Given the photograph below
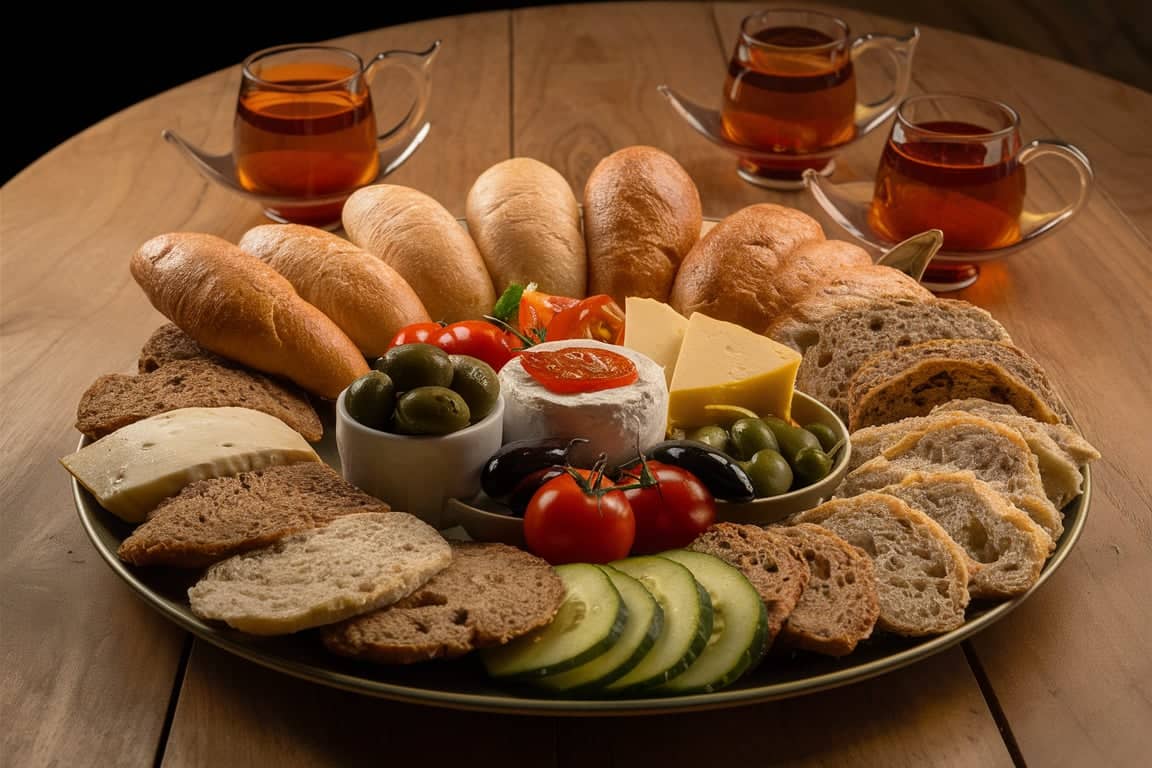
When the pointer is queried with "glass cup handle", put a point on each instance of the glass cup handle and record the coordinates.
(1033, 224)
(416, 64)
(900, 51)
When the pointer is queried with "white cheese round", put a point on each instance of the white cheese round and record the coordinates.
(619, 422)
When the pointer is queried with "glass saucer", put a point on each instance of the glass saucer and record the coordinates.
(847, 204)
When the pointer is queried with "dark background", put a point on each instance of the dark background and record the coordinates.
(90, 64)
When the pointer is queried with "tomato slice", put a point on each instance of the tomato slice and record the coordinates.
(597, 317)
(579, 369)
(537, 309)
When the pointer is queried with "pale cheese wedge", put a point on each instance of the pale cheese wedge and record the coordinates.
(139, 465)
(654, 329)
(725, 363)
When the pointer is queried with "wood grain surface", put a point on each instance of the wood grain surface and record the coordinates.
(93, 676)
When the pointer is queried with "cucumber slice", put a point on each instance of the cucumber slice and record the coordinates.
(588, 622)
(740, 621)
(645, 619)
(687, 622)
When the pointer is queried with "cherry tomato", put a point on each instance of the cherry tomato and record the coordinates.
(671, 513)
(566, 524)
(480, 339)
(596, 317)
(537, 309)
(416, 332)
(578, 369)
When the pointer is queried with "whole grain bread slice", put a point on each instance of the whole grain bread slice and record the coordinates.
(921, 573)
(839, 606)
(210, 520)
(115, 400)
(354, 564)
(834, 347)
(169, 343)
(490, 594)
(772, 562)
(912, 380)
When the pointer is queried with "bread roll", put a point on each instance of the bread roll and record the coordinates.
(526, 222)
(641, 217)
(368, 299)
(235, 305)
(755, 263)
(417, 236)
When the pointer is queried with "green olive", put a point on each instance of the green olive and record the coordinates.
(750, 436)
(769, 472)
(476, 382)
(713, 436)
(430, 411)
(371, 399)
(811, 465)
(416, 365)
(792, 439)
(824, 433)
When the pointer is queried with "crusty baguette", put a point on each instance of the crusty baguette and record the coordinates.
(417, 236)
(368, 299)
(642, 215)
(235, 305)
(354, 564)
(526, 223)
(490, 594)
(756, 262)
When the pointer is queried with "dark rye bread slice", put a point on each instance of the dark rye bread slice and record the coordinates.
(115, 400)
(167, 344)
(771, 561)
(912, 380)
(834, 348)
(489, 594)
(210, 520)
(840, 605)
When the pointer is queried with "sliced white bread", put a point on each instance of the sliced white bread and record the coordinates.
(1005, 548)
(912, 380)
(490, 594)
(921, 573)
(354, 564)
(839, 606)
(834, 348)
(995, 453)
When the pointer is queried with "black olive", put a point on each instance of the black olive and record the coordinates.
(722, 475)
(520, 458)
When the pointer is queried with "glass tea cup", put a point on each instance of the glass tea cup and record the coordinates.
(790, 95)
(956, 162)
(305, 130)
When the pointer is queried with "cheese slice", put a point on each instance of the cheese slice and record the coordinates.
(139, 465)
(725, 363)
(655, 330)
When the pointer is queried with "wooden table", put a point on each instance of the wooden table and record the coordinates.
(92, 676)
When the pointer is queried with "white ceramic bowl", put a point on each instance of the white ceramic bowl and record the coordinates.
(417, 474)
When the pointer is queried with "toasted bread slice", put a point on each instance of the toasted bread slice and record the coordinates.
(771, 561)
(490, 594)
(354, 564)
(840, 605)
(213, 519)
(921, 573)
(115, 400)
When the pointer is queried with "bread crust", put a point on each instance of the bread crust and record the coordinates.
(642, 215)
(235, 305)
(417, 236)
(526, 222)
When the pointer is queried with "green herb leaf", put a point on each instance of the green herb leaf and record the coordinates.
(508, 304)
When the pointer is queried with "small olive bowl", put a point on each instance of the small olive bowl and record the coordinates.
(485, 520)
(772, 509)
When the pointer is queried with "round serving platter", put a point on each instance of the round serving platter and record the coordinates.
(462, 683)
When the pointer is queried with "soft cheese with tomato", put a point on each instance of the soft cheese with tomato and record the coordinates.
(618, 420)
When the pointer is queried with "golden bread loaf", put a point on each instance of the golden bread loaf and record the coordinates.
(526, 223)
(417, 236)
(642, 216)
(368, 299)
(235, 305)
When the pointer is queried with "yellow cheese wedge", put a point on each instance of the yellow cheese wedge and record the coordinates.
(139, 465)
(725, 363)
(654, 329)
